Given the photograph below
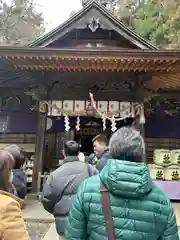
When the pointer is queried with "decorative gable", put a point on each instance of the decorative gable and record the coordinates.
(93, 27)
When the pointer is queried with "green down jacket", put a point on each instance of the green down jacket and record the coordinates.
(140, 209)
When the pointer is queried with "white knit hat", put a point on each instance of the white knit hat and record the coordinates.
(127, 141)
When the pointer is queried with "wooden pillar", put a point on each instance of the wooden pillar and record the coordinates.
(39, 151)
(139, 126)
(142, 130)
(137, 89)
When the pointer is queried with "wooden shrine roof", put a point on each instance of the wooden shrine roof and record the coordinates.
(92, 59)
(164, 66)
(80, 20)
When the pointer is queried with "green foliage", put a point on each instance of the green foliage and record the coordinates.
(159, 22)
(149, 20)
(155, 20)
(173, 25)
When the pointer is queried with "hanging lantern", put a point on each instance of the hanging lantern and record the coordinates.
(78, 124)
(104, 122)
(142, 117)
(113, 124)
(66, 123)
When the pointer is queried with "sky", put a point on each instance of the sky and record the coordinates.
(56, 12)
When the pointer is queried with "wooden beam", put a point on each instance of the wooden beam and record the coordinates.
(138, 84)
(29, 53)
(39, 152)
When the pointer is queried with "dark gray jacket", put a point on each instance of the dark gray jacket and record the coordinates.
(103, 160)
(20, 182)
(61, 187)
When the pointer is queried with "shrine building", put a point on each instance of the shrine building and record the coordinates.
(92, 74)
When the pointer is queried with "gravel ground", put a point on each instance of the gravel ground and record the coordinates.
(37, 230)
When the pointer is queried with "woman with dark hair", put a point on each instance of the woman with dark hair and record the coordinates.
(12, 226)
(19, 175)
(122, 202)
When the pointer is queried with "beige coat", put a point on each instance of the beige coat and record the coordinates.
(12, 226)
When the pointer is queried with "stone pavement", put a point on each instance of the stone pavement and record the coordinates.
(51, 234)
(33, 211)
(177, 210)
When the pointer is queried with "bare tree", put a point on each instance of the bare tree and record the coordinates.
(19, 22)
(72, 14)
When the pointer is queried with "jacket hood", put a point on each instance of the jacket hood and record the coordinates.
(71, 159)
(126, 179)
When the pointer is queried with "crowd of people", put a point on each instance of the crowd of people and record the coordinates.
(12, 192)
(109, 195)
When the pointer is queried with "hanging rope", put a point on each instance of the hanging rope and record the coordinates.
(112, 119)
(105, 115)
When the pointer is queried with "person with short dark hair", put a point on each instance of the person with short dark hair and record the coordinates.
(71, 148)
(19, 175)
(12, 226)
(101, 153)
(61, 186)
(18, 154)
(122, 202)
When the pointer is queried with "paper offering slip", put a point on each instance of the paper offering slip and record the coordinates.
(79, 106)
(125, 109)
(102, 106)
(114, 108)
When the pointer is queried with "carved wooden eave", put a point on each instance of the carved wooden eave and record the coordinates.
(93, 16)
(109, 60)
(163, 66)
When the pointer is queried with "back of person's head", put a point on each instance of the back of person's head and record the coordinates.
(18, 155)
(127, 144)
(6, 165)
(71, 148)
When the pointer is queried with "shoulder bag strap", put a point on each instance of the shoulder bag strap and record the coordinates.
(107, 213)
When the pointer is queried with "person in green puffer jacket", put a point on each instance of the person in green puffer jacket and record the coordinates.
(140, 210)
